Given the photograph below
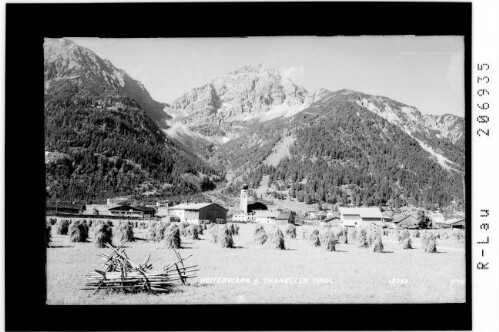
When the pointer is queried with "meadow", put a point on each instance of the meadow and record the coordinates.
(252, 273)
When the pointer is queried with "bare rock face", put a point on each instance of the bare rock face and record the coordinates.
(63, 59)
(244, 94)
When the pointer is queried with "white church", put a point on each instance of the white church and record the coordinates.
(251, 210)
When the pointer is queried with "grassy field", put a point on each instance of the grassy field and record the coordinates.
(299, 274)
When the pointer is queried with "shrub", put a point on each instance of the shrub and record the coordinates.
(103, 234)
(429, 243)
(172, 237)
(62, 227)
(407, 244)
(125, 231)
(276, 239)
(78, 232)
(225, 238)
(291, 231)
(261, 236)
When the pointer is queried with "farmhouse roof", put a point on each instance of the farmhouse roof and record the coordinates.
(366, 212)
(453, 222)
(284, 215)
(125, 208)
(66, 205)
(194, 206)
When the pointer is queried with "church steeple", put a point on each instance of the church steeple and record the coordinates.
(243, 202)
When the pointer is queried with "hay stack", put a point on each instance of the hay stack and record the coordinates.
(377, 244)
(445, 236)
(291, 231)
(403, 235)
(276, 239)
(125, 231)
(417, 234)
(258, 228)
(62, 227)
(184, 229)
(192, 230)
(429, 243)
(172, 237)
(214, 234)
(48, 235)
(225, 237)
(260, 237)
(330, 241)
(151, 231)
(362, 238)
(407, 244)
(53, 221)
(103, 234)
(200, 229)
(78, 232)
(352, 234)
(161, 228)
(314, 238)
(236, 229)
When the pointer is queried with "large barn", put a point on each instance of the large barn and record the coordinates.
(197, 212)
(356, 217)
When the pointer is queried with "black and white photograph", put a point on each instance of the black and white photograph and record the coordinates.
(289, 165)
(263, 170)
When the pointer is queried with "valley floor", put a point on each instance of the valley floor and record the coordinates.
(308, 274)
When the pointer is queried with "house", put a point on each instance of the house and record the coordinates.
(321, 215)
(406, 221)
(285, 217)
(266, 216)
(454, 223)
(133, 211)
(196, 212)
(65, 207)
(356, 217)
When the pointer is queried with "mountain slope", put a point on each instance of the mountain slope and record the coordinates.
(65, 59)
(342, 152)
(109, 143)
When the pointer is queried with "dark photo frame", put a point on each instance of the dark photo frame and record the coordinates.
(25, 257)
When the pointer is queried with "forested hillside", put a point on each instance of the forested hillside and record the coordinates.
(107, 145)
(345, 153)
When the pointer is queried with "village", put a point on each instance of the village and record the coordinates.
(251, 210)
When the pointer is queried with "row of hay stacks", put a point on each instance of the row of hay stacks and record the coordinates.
(275, 238)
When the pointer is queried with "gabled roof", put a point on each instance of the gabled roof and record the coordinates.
(284, 215)
(194, 206)
(365, 212)
(406, 218)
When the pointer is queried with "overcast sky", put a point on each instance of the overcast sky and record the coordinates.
(426, 72)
